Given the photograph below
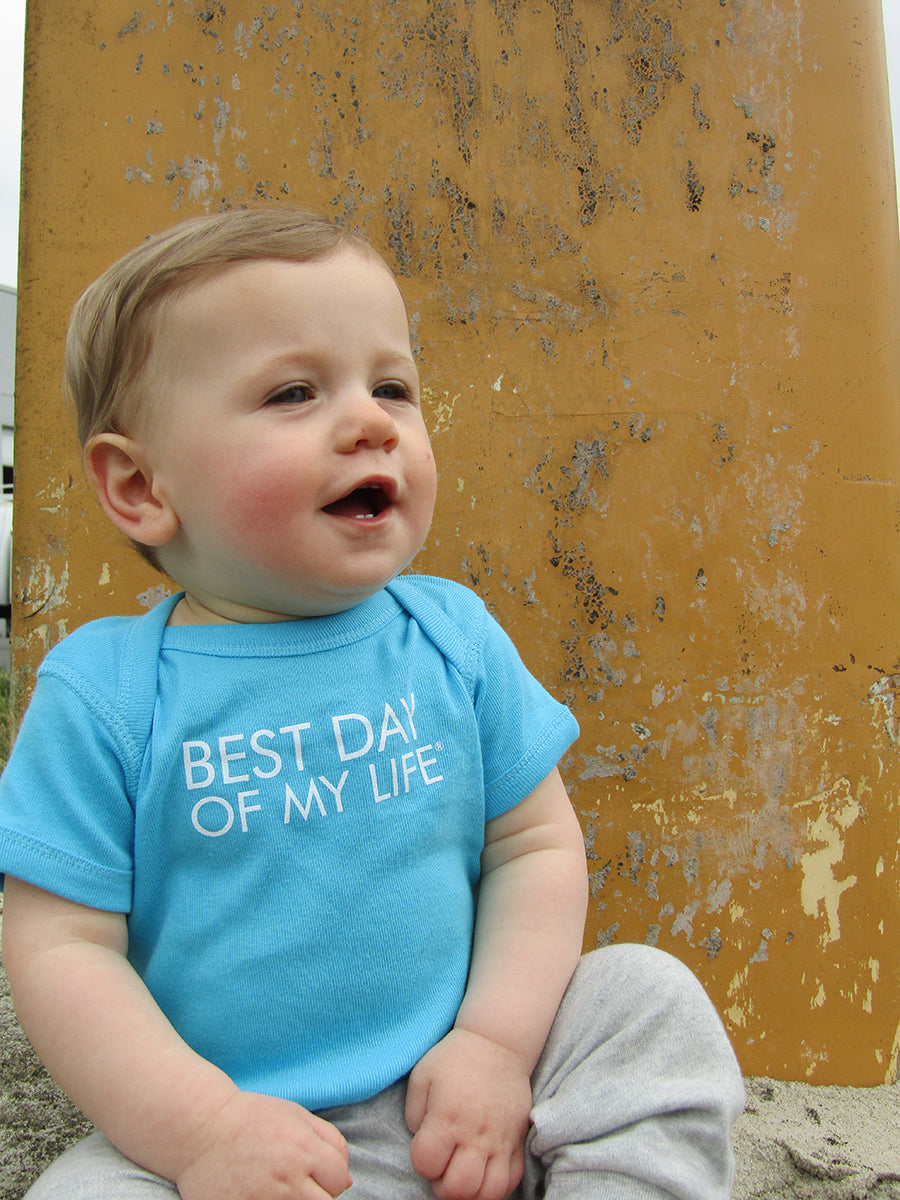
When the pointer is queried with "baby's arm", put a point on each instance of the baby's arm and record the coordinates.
(108, 1045)
(469, 1098)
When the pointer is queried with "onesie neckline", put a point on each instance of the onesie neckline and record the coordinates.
(300, 636)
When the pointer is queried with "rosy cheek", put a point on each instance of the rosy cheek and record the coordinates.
(257, 508)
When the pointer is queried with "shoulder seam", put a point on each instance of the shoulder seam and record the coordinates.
(104, 711)
(469, 637)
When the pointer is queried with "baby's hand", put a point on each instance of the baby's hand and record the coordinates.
(262, 1148)
(467, 1105)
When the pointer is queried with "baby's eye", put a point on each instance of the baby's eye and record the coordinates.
(392, 390)
(293, 393)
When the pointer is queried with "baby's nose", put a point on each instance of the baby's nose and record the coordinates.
(368, 424)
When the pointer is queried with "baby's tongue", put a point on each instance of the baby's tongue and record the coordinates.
(360, 503)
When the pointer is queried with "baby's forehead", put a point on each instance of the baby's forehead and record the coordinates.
(231, 295)
(363, 259)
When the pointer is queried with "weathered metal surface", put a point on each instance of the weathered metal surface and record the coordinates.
(650, 255)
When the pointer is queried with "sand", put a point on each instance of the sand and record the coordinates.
(799, 1141)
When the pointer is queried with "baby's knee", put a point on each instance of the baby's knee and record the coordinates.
(638, 969)
(655, 992)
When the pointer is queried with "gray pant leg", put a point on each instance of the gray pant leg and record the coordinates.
(94, 1170)
(638, 1087)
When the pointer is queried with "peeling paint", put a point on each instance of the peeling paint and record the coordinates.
(154, 595)
(718, 896)
(884, 693)
(894, 1065)
(440, 408)
(43, 588)
(821, 890)
(762, 952)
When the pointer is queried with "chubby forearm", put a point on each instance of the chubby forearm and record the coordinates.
(529, 924)
(100, 1033)
(119, 1062)
(469, 1098)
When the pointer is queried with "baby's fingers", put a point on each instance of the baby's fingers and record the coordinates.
(431, 1149)
(463, 1176)
(331, 1134)
(469, 1176)
(331, 1171)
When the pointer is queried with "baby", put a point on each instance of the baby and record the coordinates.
(294, 894)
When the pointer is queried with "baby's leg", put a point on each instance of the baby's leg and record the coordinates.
(638, 1087)
(94, 1170)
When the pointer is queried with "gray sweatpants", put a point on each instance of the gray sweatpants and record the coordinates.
(634, 1098)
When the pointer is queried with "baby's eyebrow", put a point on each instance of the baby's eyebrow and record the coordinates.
(398, 362)
(292, 360)
(312, 359)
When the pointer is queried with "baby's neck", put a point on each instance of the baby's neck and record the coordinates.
(192, 610)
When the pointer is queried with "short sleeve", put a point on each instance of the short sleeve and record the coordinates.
(524, 730)
(66, 822)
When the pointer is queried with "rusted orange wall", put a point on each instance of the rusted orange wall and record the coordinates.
(650, 253)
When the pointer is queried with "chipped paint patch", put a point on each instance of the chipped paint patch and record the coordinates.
(440, 406)
(738, 1012)
(762, 951)
(736, 1016)
(884, 693)
(154, 595)
(821, 889)
(718, 896)
(42, 589)
(893, 1073)
(814, 1060)
(684, 921)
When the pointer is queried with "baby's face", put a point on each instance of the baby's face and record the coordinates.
(286, 432)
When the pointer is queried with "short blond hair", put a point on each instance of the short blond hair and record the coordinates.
(113, 324)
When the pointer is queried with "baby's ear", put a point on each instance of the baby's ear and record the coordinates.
(119, 473)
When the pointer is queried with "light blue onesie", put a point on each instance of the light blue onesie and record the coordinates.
(292, 817)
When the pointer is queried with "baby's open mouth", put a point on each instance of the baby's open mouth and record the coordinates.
(362, 504)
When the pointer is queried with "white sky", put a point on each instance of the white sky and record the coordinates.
(12, 36)
(12, 41)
